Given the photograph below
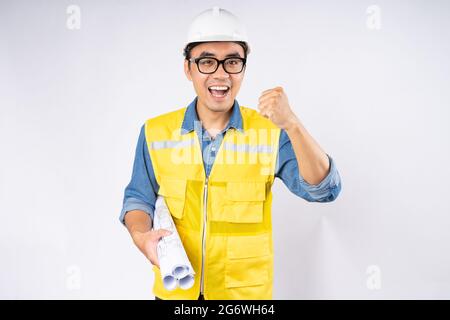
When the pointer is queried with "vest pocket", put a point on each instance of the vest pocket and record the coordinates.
(248, 261)
(174, 192)
(240, 202)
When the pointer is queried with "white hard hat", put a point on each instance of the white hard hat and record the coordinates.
(217, 24)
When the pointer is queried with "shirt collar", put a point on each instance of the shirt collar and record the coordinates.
(190, 116)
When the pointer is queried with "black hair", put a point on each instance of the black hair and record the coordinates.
(187, 50)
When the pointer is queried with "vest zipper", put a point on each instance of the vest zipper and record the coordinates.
(205, 205)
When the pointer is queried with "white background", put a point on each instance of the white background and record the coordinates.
(72, 103)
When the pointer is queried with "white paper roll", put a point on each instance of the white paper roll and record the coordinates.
(176, 269)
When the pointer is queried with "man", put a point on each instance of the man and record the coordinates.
(215, 163)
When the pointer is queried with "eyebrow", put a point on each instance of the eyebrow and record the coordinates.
(210, 54)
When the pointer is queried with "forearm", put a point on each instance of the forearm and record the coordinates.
(312, 161)
(138, 222)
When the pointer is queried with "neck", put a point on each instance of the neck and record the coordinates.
(213, 121)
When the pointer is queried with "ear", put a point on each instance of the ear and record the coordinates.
(187, 72)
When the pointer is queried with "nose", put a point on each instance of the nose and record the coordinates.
(220, 72)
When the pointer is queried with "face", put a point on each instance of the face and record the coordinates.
(207, 97)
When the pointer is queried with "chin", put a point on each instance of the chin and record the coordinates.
(221, 106)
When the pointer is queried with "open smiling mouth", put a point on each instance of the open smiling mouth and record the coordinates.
(219, 91)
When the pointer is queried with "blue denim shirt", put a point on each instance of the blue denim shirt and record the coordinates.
(141, 192)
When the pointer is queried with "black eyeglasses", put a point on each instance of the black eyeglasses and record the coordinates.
(210, 65)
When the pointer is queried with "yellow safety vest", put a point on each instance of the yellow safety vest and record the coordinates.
(224, 221)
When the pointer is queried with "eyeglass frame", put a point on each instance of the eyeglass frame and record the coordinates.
(219, 62)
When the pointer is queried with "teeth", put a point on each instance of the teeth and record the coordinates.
(218, 88)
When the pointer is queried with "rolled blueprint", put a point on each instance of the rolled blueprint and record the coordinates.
(176, 269)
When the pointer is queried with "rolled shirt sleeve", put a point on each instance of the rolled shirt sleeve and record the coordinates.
(287, 170)
(140, 193)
